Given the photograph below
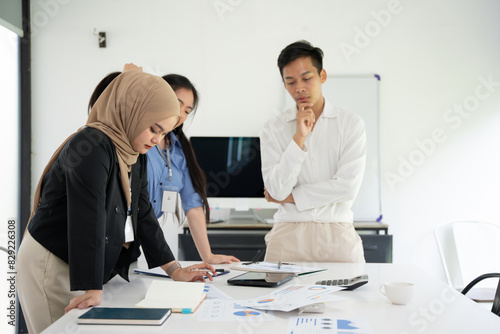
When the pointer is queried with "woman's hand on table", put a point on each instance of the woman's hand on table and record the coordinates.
(88, 299)
(220, 258)
(191, 274)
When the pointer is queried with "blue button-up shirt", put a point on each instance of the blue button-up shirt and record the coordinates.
(181, 181)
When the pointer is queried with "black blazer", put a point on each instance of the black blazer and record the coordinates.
(82, 213)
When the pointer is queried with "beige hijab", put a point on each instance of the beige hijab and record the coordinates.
(130, 104)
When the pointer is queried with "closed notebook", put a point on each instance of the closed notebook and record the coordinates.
(124, 316)
(181, 297)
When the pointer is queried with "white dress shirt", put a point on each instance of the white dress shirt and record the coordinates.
(325, 176)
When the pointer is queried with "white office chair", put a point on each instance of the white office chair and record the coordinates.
(469, 249)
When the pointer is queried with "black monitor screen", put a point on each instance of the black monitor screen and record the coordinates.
(231, 164)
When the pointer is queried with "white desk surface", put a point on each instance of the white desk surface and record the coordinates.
(436, 308)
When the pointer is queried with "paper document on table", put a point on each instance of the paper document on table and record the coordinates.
(323, 324)
(231, 310)
(293, 297)
(214, 293)
(272, 267)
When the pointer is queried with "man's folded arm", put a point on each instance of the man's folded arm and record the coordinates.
(344, 185)
(280, 167)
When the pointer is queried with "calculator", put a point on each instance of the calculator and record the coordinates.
(347, 283)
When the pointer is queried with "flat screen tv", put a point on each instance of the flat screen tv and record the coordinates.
(232, 165)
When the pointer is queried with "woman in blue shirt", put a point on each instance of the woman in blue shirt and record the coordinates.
(184, 177)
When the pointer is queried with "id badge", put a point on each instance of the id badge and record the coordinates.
(169, 199)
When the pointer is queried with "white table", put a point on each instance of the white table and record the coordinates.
(436, 308)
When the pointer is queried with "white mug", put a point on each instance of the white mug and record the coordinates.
(399, 293)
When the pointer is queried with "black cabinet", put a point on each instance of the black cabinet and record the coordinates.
(246, 246)
(377, 247)
(249, 245)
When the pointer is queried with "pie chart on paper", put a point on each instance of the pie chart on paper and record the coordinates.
(246, 313)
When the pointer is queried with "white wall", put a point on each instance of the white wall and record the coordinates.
(431, 55)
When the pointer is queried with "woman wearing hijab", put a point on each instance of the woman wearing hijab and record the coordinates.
(91, 208)
(177, 170)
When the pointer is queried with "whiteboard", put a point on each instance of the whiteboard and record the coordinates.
(360, 94)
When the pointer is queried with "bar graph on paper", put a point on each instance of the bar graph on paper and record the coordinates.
(230, 310)
(320, 325)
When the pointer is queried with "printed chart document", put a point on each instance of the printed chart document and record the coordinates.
(219, 306)
(293, 297)
(181, 297)
(231, 310)
(124, 316)
(272, 267)
(327, 325)
(214, 293)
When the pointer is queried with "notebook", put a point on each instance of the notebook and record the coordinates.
(124, 316)
(181, 297)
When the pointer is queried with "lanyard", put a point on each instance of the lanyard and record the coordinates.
(167, 160)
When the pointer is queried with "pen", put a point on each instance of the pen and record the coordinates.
(205, 269)
(201, 269)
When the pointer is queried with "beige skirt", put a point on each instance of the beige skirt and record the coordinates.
(314, 242)
(43, 285)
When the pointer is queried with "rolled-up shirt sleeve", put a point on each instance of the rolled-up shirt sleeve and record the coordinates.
(190, 198)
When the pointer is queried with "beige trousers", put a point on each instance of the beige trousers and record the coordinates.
(43, 285)
(314, 242)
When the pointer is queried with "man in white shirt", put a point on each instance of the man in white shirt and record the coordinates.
(313, 161)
